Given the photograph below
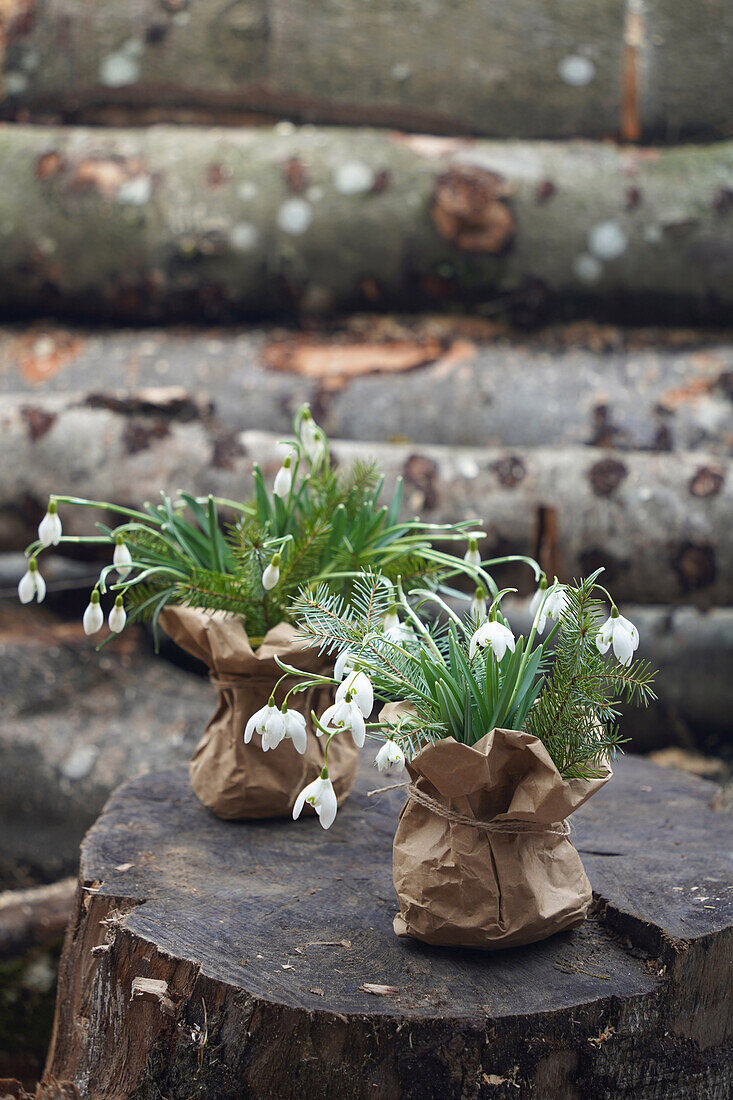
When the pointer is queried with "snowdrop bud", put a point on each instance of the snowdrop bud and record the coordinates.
(390, 759)
(472, 555)
(93, 619)
(391, 621)
(117, 616)
(271, 575)
(478, 605)
(621, 633)
(494, 636)
(32, 584)
(553, 606)
(321, 796)
(312, 438)
(122, 557)
(283, 479)
(49, 529)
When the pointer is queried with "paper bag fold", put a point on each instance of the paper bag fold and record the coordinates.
(462, 885)
(241, 781)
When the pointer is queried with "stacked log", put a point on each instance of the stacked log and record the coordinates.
(213, 225)
(660, 71)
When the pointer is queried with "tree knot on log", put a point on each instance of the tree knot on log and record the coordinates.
(470, 209)
(606, 475)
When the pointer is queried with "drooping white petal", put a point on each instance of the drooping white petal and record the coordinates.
(327, 804)
(536, 601)
(26, 587)
(390, 759)
(40, 587)
(497, 637)
(472, 557)
(390, 622)
(605, 636)
(327, 719)
(283, 481)
(295, 730)
(300, 800)
(344, 665)
(255, 723)
(93, 619)
(49, 529)
(122, 558)
(477, 610)
(117, 618)
(357, 725)
(359, 685)
(625, 640)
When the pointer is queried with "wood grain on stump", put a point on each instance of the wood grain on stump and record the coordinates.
(228, 959)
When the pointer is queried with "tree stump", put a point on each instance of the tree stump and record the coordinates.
(230, 960)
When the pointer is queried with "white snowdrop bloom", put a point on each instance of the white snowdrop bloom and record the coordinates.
(396, 630)
(607, 241)
(122, 558)
(117, 616)
(553, 607)
(496, 636)
(321, 796)
(622, 634)
(391, 620)
(93, 618)
(295, 730)
(344, 665)
(271, 575)
(49, 529)
(536, 602)
(32, 584)
(390, 759)
(472, 555)
(345, 714)
(477, 609)
(359, 685)
(283, 479)
(256, 723)
(353, 178)
(274, 730)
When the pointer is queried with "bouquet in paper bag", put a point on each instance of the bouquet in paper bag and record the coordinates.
(502, 738)
(220, 577)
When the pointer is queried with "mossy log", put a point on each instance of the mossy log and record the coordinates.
(229, 960)
(659, 523)
(212, 225)
(658, 70)
(436, 379)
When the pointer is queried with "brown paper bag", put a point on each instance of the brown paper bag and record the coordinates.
(516, 881)
(241, 781)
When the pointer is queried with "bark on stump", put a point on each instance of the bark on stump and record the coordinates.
(211, 225)
(532, 68)
(211, 958)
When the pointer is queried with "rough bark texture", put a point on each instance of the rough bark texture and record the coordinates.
(452, 380)
(234, 961)
(659, 69)
(657, 522)
(210, 225)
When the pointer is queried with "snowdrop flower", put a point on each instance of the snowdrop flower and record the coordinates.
(271, 575)
(295, 730)
(122, 558)
(536, 602)
(117, 616)
(496, 636)
(472, 555)
(345, 714)
(283, 479)
(49, 529)
(390, 759)
(257, 723)
(396, 630)
(93, 619)
(274, 730)
(312, 438)
(32, 584)
(359, 685)
(620, 632)
(477, 609)
(344, 665)
(321, 796)
(553, 606)
(391, 620)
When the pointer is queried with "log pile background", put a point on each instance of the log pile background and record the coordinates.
(490, 244)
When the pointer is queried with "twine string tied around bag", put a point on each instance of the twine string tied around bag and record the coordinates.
(557, 828)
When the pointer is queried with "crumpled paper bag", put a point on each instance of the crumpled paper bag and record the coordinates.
(241, 781)
(464, 886)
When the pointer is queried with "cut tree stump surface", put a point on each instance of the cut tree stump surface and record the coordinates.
(278, 973)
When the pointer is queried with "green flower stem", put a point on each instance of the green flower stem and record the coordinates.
(422, 629)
